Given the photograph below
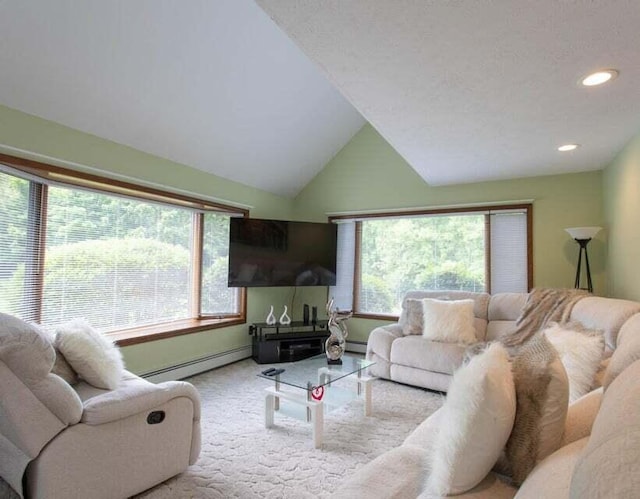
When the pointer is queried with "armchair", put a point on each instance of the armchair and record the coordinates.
(64, 441)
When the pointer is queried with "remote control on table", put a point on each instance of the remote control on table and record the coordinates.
(267, 372)
(275, 372)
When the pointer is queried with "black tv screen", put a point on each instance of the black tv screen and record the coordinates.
(281, 253)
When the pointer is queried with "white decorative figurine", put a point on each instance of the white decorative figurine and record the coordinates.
(284, 318)
(271, 319)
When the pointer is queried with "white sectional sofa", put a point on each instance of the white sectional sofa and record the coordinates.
(598, 457)
(598, 454)
(414, 360)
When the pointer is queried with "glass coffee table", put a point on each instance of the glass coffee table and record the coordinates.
(316, 388)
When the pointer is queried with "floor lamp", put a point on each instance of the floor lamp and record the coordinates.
(582, 236)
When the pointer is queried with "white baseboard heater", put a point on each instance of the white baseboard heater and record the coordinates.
(197, 366)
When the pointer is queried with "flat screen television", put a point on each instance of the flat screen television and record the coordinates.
(281, 253)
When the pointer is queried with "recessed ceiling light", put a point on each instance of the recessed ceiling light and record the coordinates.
(599, 77)
(568, 147)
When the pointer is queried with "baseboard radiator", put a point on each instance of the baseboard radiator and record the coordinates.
(356, 346)
(197, 366)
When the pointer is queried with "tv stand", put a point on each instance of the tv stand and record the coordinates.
(274, 343)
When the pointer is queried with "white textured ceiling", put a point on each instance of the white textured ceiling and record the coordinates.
(465, 91)
(211, 84)
(475, 90)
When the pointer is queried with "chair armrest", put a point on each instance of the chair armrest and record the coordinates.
(136, 397)
(381, 338)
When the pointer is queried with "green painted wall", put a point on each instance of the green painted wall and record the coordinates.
(621, 188)
(367, 174)
(34, 137)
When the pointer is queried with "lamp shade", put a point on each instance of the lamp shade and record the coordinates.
(583, 232)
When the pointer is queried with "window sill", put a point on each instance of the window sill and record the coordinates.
(155, 332)
(379, 317)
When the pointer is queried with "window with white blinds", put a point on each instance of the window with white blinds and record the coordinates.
(118, 261)
(380, 258)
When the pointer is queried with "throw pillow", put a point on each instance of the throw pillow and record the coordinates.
(413, 323)
(580, 351)
(542, 394)
(448, 321)
(93, 356)
(478, 415)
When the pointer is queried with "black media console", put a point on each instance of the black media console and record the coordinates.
(296, 341)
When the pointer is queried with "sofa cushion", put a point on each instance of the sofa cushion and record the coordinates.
(425, 434)
(552, 477)
(499, 329)
(94, 357)
(506, 306)
(448, 321)
(580, 417)
(25, 349)
(418, 352)
(609, 465)
(581, 351)
(478, 415)
(542, 392)
(608, 314)
(396, 473)
(627, 351)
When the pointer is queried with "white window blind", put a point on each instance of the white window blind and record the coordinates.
(117, 262)
(509, 252)
(342, 292)
(19, 240)
(217, 298)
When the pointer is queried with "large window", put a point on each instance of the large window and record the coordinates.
(382, 257)
(124, 260)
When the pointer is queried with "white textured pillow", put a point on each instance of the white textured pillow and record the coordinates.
(94, 357)
(448, 321)
(580, 352)
(477, 419)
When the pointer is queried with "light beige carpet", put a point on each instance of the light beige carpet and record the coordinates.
(242, 459)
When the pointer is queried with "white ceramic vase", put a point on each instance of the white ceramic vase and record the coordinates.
(284, 318)
(271, 319)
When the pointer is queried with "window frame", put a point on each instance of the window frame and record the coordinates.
(527, 207)
(72, 178)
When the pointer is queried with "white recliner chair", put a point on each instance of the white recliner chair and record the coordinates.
(64, 441)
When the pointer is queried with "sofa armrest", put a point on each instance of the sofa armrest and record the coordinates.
(136, 397)
(580, 416)
(381, 338)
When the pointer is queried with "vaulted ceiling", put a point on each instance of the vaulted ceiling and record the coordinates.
(465, 91)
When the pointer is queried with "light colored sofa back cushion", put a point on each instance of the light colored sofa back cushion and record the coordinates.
(627, 351)
(480, 306)
(607, 314)
(503, 310)
(27, 351)
(609, 465)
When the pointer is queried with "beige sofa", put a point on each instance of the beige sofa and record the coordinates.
(598, 456)
(64, 441)
(413, 360)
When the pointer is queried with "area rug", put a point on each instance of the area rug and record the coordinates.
(240, 458)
